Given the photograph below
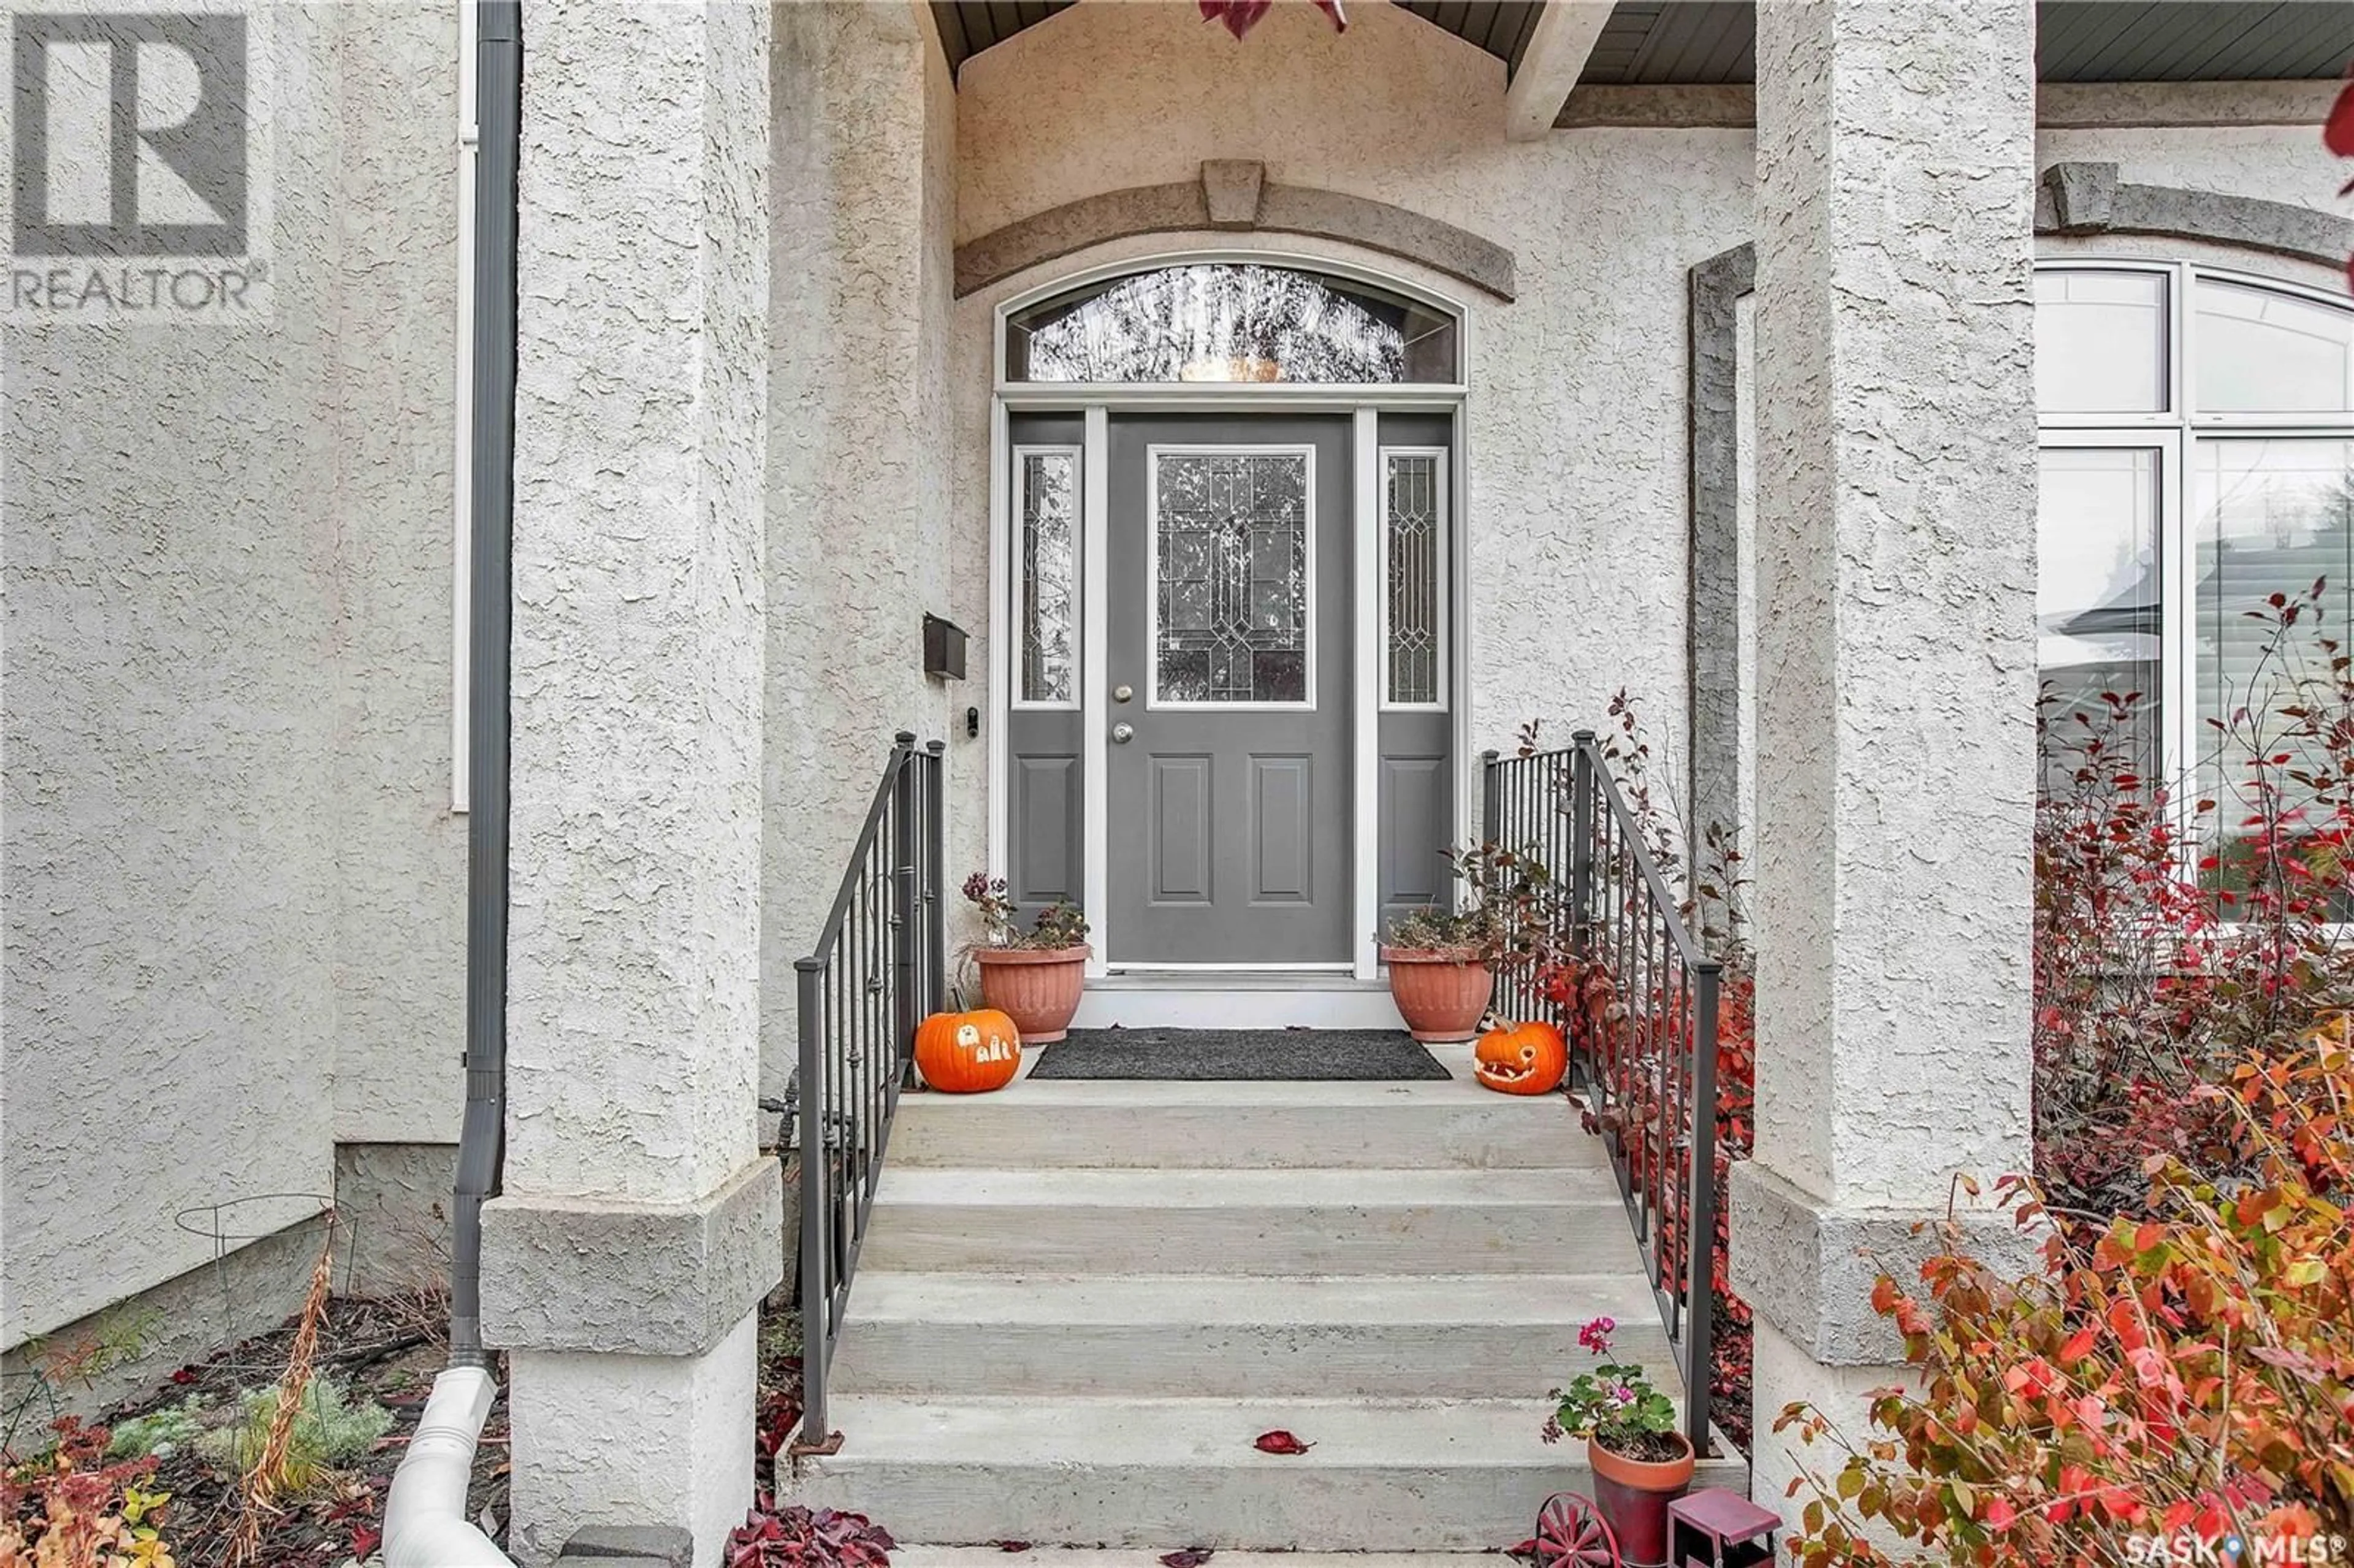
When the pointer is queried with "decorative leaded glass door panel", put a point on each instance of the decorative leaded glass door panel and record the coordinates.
(1232, 560)
(1230, 625)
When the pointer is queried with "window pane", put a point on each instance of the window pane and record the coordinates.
(1231, 322)
(2097, 615)
(2100, 342)
(2261, 352)
(1231, 607)
(2271, 516)
(1048, 524)
(1411, 513)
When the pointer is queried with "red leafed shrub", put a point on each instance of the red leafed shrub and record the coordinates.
(2155, 972)
(2337, 135)
(2184, 1380)
(1239, 16)
(797, 1537)
(2181, 1370)
(67, 1507)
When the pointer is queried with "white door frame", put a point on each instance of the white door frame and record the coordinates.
(1095, 404)
(1095, 702)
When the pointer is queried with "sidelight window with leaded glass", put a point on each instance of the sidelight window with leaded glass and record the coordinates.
(1046, 538)
(1414, 564)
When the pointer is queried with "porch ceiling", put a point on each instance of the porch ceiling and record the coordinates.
(1700, 42)
(1499, 26)
(1697, 42)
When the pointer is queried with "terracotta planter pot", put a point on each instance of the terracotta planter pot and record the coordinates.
(1634, 1495)
(1441, 995)
(1038, 987)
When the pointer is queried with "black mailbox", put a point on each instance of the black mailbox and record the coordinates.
(943, 649)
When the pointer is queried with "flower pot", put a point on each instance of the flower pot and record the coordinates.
(1038, 987)
(1634, 1495)
(1441, 995)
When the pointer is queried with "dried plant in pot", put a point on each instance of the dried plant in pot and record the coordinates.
(1034, 977)
(1641, 1461)
(1443, 962)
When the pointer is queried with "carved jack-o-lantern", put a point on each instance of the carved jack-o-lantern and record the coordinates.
(968, 1052)
(1520, 1058)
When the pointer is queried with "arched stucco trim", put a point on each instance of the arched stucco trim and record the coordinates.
(1233, 196)
(2073, 199)
(2088, 198)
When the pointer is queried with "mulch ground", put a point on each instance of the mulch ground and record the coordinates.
(387, 1351)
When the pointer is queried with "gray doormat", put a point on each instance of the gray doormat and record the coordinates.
(1295, 1055)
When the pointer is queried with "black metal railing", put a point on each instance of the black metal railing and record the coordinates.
(1635, 994)
(879, 966)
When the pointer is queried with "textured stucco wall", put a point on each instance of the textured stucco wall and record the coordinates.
(859, 496)
(233, 885)
(637, 686)
(1896, 533)
(616, 1448)
(1575, 421)
(401, 853)
(393, 1202)
(639, 690)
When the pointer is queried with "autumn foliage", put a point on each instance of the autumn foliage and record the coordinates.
(67, 1507)
(2181, 1372)
(2188, 1376)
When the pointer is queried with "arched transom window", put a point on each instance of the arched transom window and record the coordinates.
(2198, 457)
(1231, 322)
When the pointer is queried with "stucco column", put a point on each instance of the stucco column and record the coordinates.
(638, 1227)
(860, 495)
(1896, 660)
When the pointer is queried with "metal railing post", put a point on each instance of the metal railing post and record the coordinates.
(1581, 833)
(906, 915)
(816, 1292)
(1492, 799)
(936, 881)
(1699, 1238)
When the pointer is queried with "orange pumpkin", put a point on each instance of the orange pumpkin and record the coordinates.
(968, 1052)
(1520, 1058)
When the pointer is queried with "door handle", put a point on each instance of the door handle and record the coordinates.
(1123, 732)
(1122, 694)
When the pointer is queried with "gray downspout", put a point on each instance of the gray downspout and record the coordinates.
(499, 116)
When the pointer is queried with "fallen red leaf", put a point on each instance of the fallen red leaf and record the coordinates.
(1280, 1442)
(1014, 1546)
(1191, 1557)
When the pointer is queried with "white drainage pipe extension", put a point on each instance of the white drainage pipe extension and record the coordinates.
(425, 1523)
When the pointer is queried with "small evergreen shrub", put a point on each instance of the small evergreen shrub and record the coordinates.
(329, 1429)
(160, 1432)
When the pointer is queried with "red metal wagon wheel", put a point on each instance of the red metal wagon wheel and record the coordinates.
(1571, 1534)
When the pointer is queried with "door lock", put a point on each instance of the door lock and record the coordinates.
(1122, 694)
(1123, 732)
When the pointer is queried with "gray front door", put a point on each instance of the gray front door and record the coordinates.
(1230, 628)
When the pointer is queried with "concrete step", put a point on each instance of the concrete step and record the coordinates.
(1244, 1125)
(1464, 1336)
(1383, 1476)
(1283, 1222)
